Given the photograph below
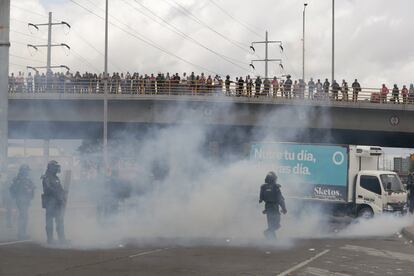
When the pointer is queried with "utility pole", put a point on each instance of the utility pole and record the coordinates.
(48, 66)
(303, 42)
(49, 46)
(4, 77)
(266, 60)
(333, 41)
(106, 76)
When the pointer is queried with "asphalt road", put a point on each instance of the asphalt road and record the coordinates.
(369, 256)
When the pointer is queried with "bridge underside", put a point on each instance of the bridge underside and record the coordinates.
(222, 134)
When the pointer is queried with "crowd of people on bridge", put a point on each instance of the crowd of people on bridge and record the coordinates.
(201, 84)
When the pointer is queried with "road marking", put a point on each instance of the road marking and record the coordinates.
(115, 259)
(148, 252)
(14, 242)
(302, 264)
(322, 272)
(380, 253)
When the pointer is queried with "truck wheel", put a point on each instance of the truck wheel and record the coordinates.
(365, 212)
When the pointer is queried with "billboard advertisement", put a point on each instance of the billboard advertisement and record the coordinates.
(316, 171)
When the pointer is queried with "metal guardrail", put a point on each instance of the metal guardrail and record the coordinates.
(366, 95)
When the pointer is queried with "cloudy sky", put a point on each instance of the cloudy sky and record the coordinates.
(373, 37)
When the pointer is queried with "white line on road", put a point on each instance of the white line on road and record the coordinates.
(148, 252)
(322, 272)
(14, 242)
(380, 253)
(302, 264)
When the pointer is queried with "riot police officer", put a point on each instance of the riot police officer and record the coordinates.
(272, 196)
(54, 201)
(22, 191)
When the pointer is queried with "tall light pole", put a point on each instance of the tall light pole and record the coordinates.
(303, 42)
(333, 41)
(105, 119)
(4, 75)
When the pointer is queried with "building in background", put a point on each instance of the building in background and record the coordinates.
(402, 165)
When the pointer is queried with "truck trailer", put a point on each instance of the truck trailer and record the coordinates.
(344, 178)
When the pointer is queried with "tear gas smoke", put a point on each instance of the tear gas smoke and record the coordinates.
(181, 195)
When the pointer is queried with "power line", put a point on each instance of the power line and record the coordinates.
(29, 11)
(50, 24)
(97, 50)
(82, 38)
(21, 57)
(85, 61)
(28, 35)
(76, 55)
(18, 20)
(140, 37)
(235, 19)
(17, 42)
(184, 35)
(18, 65)
(187, 12)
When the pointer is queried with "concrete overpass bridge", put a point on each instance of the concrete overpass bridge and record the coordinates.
(234, 119)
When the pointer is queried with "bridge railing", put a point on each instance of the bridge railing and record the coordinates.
(95, 87)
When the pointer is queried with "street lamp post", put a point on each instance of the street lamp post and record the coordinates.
(303, 42)
(4, 74)
(333, 40)
(105, 119)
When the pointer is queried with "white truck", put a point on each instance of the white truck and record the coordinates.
(344, 178)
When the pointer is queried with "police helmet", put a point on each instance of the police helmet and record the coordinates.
(53, 167)
(24, 169)
(271, 178)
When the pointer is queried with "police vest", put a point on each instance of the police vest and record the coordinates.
(270, 193)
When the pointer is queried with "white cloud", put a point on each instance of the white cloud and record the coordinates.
(373, 40)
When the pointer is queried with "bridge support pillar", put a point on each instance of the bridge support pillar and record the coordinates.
(4, 78)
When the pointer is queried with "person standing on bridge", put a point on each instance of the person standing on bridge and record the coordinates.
(302, 88)
(275, 85)
(54, 201)
(36, 80)
(12, 83)
(326, 86)
(319, 90)
(29, 82)
(272, 196)
(335, 90)
(266, 87)
(356, 88)
(258, 85)
(383, 93)
(311, 89)
(344, 90)
(22, 191)
(249, 86)
(404, 94)
(411, 94)
(395, 94)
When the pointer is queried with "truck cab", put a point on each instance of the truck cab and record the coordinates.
(378, 192)
(375, 191)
